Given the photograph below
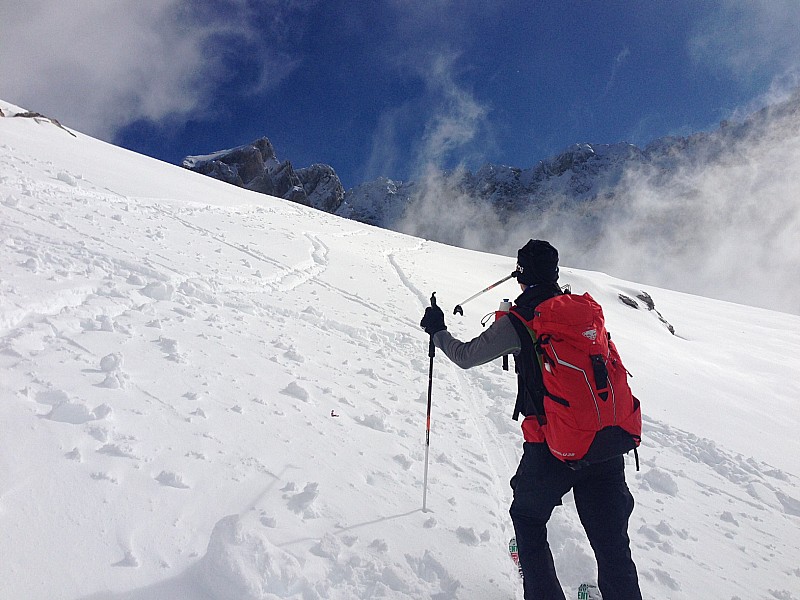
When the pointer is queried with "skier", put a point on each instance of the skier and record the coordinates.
(602, 497)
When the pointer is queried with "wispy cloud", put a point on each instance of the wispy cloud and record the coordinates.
(456, 117)
(743, 39)
(99, 66)
(441, 122)
(455, 125)
(616, 65)
(442, 127)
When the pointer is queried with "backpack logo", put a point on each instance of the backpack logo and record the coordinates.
(590, 334)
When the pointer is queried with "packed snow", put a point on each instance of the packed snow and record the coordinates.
(207, 393)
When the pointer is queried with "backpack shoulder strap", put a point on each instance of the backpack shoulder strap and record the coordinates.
(530, 388)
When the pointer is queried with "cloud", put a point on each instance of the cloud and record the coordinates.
(440, 121)
(744, 40)
(98, 66)
(721, 219)
(444, 212)
(444, 126)
(455, 127)
(724, 225)
(456, 118)
(619, 60)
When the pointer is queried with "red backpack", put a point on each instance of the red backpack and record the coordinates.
(573, 380)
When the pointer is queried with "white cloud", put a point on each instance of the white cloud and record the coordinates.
(456, 117)
(98, 66)
(619, 60)
(745, 39)
(443, 127)
(723, 221)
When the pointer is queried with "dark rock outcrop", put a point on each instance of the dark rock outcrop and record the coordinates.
(256, 167)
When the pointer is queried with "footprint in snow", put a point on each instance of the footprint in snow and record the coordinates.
(403, 461)
(65, 410)
(118, 450)
(111, 362)
(379, 545)
(302, 501)
(170, 479)
(158, 290)
(129, 561)
(661, 481)
(268, 521)
(295, 391)
(467, 535)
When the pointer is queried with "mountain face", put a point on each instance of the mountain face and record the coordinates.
(577, 173)
(256, 167)
(582, 174)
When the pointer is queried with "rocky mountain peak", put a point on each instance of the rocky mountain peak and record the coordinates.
(256, 167)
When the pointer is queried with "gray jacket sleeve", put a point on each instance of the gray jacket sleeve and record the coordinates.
(499, 339)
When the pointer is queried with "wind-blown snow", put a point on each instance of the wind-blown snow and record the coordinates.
(206, 393)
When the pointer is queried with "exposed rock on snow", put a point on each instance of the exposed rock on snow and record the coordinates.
(256, 167)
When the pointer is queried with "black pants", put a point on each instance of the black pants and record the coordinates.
(604, 506)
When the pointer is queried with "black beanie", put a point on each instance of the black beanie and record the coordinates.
(537, 262)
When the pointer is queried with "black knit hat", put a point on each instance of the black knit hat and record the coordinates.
(537, 262)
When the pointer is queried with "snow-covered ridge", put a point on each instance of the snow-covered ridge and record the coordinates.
(208, 393)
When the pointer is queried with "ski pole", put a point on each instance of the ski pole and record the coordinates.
(460, 311)
(431, 353)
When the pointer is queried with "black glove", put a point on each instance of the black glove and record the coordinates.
(433, 320)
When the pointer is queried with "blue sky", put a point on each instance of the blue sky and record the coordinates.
(388, 87)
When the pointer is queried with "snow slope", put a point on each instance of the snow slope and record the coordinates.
(206, 393)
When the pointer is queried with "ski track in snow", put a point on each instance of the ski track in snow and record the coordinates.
(165, 356)
(423, 300)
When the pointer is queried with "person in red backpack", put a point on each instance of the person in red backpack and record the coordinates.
(602, 498)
